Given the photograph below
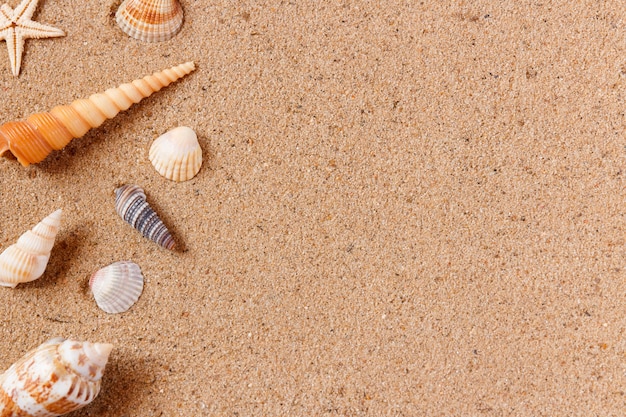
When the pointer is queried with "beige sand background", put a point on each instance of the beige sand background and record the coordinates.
(406, 208)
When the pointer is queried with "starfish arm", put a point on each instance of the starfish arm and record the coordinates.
(36, 30)
(5, 21)
(5, 33)
(6, 13)
(5, 27)
(24, 11)
(15, 45)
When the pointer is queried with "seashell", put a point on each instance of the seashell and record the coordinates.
(31, 140)
(27, 259)
(150, 20)
(131, 205)
(177, 154)
(117, 287)
(55, 378)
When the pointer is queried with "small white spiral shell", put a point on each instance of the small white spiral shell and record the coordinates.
(27, 259)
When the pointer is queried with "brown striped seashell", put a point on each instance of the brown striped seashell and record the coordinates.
(150, 20)
(58, 377)
(131, 205)
(176, 154)
(31, 140)
(117, 287)
(27, 259)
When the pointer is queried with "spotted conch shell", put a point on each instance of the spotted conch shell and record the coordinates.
(55, 378)
(27, 259)
(31, 140)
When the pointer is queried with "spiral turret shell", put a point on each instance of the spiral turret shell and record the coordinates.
(31, 140)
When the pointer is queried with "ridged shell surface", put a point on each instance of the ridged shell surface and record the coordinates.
(176, 154)
(27, 259)
(131, 205)
(117, 287)
(56, 378)
(31, 140)
(150, 20)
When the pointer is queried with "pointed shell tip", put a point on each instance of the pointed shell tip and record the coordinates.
(103, 349)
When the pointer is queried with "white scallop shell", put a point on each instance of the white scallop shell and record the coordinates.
(150, 20)
(27, 259)
(117, 287)
(176, 154)
(55, 378)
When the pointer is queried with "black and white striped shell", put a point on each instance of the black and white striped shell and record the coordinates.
(53, 379)
(131, 205)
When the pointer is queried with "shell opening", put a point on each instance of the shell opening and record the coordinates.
(3, 148)
(4, 145)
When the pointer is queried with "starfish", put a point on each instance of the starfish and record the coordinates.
(16, 26)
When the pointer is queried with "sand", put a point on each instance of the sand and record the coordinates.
(405, 208)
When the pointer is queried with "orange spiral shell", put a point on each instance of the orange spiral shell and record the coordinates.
(31, 140)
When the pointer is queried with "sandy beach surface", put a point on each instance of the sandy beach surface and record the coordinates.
(405, 208)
